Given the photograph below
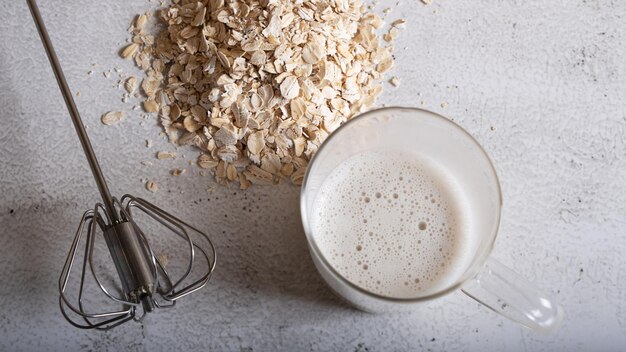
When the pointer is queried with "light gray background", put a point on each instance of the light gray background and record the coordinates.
(541, 84)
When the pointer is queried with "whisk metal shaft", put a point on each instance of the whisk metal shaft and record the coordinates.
(71, 107)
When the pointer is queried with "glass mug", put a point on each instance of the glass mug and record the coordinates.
(484, 279)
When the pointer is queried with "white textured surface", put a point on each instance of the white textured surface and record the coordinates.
(548, 76)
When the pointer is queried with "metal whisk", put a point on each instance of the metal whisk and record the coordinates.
(145, 282)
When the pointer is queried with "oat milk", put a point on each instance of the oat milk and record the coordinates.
(394, 224)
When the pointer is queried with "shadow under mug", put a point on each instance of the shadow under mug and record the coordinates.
(415, 130)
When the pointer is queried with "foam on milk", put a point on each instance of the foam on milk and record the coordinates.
(393, 224)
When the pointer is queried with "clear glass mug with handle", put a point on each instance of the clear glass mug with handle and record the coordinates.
(483, 278)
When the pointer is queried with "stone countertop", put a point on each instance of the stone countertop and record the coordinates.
(542, 85)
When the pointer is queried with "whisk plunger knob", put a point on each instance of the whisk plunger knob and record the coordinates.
(132, 261)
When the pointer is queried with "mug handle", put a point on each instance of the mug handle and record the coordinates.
(505, 292)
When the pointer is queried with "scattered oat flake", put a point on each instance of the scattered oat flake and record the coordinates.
(385, 65)
(178, 172)
(150, 106)
(166, 155)
(148, 143)
(141, 20)
(130, 84)
(398, 23)
(205, 161)
(391, 35)
(130, 50)
(243, 182)
(395, 81)
(152, 186)
(427, 2)
(112, 117)
(231, 172)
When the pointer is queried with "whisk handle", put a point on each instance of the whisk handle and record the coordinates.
(71, 107)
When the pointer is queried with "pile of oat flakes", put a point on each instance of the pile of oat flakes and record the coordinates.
(258, 85)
